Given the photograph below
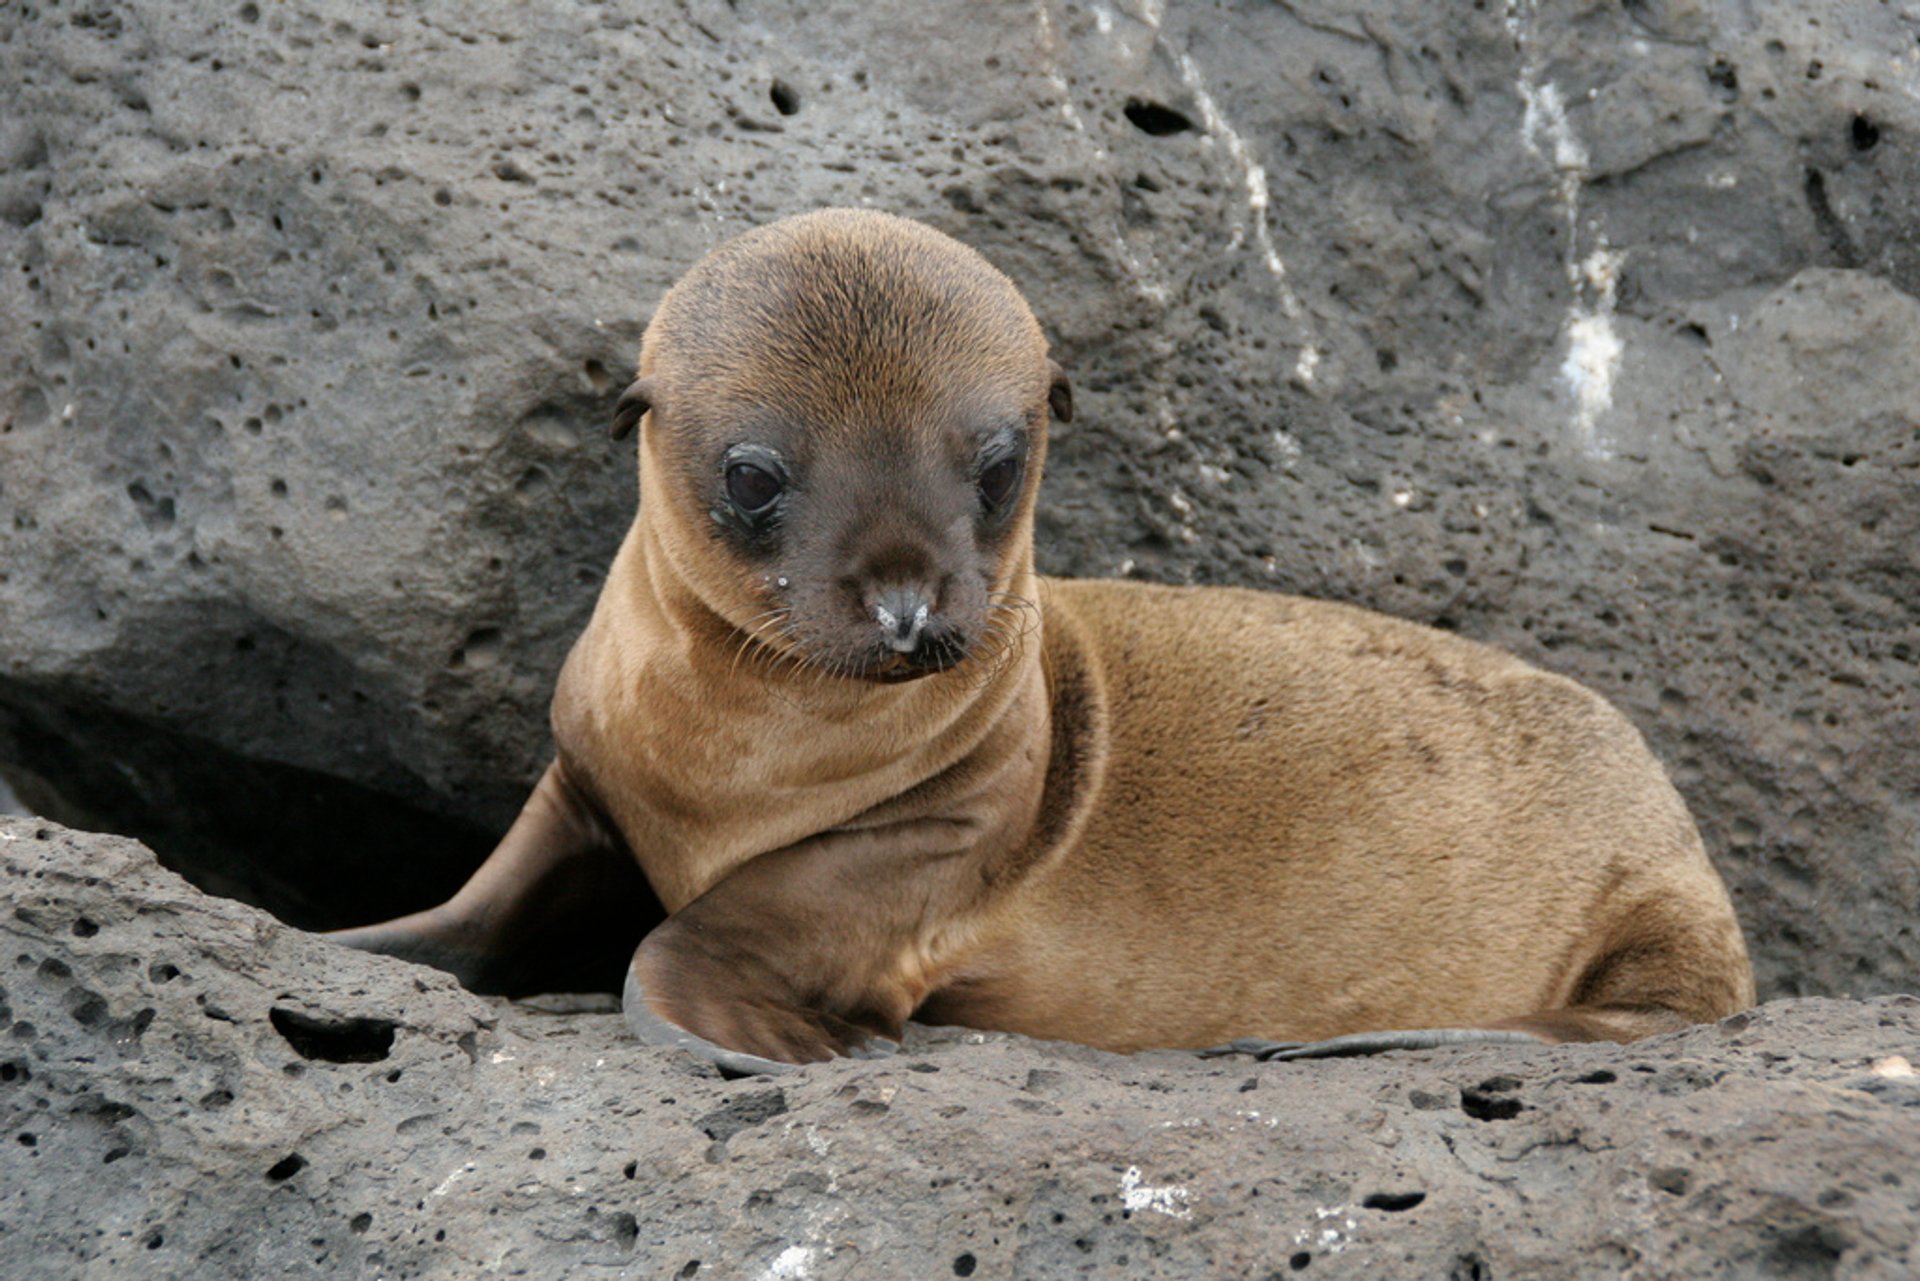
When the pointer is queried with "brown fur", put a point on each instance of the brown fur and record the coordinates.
(1134, 816)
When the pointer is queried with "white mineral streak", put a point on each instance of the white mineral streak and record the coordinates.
(1331, 1234)
(447, 1183)
(1258, 198)
(1253, 175)
(1144, 276)
(795, 1263)
(1136, 1196)
(1594, 349)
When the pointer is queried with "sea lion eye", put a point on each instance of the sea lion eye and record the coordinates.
(996, 482)
(752, 489)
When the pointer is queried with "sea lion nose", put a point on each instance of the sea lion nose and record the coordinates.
(902, 613)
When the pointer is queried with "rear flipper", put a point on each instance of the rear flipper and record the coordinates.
(1589, 1023)
(794, 957)
(1356, 1043)
(557, 907)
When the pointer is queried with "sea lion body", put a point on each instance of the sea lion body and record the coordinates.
(1342, 821)
(872, 765)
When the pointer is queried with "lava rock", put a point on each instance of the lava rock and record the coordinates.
(191, 1089)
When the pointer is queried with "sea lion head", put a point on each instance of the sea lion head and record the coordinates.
(845, 420)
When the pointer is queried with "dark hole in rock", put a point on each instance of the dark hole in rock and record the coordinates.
(1156, 119)
(1393, 1202)
(785, 100)
(163, 972)
(85, 929)
(29, 1140)
(1865, 134)
(286, 1167)
(105, 1112)
(214, 1100)
(360, 1223)
(1486, 1107)
(13, 1071)
(964, 1265)
(208, 812)
(1671, 1179)
(1469, 1267)
(1809, 1251)
(356, 1039)
(963, 199)
(742, 1113)
(155, 1241)
(1045, 1081)
(692, 1266)
(1725, 78)
(626, 1228)
(631, 1169)
(1300, 1261)
(1600, 1076)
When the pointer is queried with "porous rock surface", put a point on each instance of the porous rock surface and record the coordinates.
(191, 1089)
(1587, 329)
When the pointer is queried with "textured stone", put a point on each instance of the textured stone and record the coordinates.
(1584, 329)
(190, 1089)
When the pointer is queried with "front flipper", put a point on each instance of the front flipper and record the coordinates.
(653, 1029)
(798, 956)
(557, 906)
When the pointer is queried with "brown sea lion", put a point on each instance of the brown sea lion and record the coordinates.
(874, 767)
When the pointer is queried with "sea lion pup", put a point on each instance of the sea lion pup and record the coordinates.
(874, 767)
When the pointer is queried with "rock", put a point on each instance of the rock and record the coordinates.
(189, 1088)
(1586, 330)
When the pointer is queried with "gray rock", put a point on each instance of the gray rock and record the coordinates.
(9, 803)
(189, 1088)
(1586, 330)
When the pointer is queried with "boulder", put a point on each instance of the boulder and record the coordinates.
(191, 1089)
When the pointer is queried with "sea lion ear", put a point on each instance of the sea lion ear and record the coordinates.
(1060, 393)
(634, 402)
